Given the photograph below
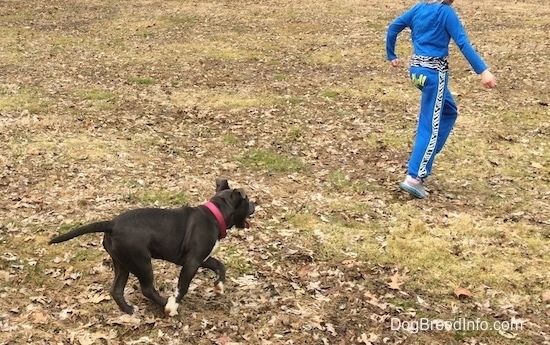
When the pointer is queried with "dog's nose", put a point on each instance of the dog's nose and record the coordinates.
(251, 207)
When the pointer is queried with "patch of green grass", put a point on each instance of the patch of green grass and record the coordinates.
(230, 139)
(469, 249)
(335, 240)
(294, 132)
(226, 100)
(142, 80)
(86, 256)
(158, 197)
(4, 264)
(271, 161)
(218, 48)
(339, 180)
(294, 100)
(178, 19)
(326, 57)
(67, 148)
(399, 139)
(33, 275)
(330, 94)
(280, 77)
(63, 228)
(235, 261)
(95, 94)
(30, 99)
(61, 43)
(83, 147)
(403, 303)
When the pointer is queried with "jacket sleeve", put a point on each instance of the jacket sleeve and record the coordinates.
(394, 29)
(456, 31)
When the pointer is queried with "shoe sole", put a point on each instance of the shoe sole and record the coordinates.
(413, 191)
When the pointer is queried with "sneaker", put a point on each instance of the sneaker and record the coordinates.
(414, 186)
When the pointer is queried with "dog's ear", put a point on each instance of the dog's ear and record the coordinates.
(241, 192)
(238, 196)
(221, 184)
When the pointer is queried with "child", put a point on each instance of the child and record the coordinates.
(432, 24)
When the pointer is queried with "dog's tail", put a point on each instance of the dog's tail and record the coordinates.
(106, 226)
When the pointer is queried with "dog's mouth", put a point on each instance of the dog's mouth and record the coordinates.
(251, 210)
(244, 225)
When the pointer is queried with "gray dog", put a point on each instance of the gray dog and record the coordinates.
(186, 236)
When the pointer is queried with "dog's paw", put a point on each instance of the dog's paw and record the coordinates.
(171, 307)
(130, 309)
(218, 288)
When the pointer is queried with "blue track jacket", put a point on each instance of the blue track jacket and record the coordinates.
(432, 27)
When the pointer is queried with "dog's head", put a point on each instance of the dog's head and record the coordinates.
(234, 204)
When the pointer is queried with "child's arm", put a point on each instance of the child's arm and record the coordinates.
(395, 28)
(456, 30)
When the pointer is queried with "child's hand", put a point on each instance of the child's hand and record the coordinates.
(488, 79)
(395, 62)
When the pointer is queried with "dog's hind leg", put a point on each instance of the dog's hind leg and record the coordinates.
(217, 267)
(144, 272)
(117, 290)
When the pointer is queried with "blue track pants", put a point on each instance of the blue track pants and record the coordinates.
(438, 113)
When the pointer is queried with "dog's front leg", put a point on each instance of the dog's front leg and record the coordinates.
(217, 267)
(186, 275)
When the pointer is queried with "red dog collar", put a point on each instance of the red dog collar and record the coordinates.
(219, 217)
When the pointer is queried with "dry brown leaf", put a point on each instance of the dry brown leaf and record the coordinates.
(87, 338)
(507, 334)
(537, 165)
(461, 292)
(369, 339)
(142, 340)
(66, 314)
(40, 318)
(546, 296)
(331, 330)
(373, 300)
(68, 272)
(125, 320)
(224, 340)
(396, 282)
(5, 275)
(304, 271)
(97, 298)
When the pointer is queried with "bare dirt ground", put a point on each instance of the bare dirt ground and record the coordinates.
(107, 106)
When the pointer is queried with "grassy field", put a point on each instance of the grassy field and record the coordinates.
(107, 106)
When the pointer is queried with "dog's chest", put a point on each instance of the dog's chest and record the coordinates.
(214, 250)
